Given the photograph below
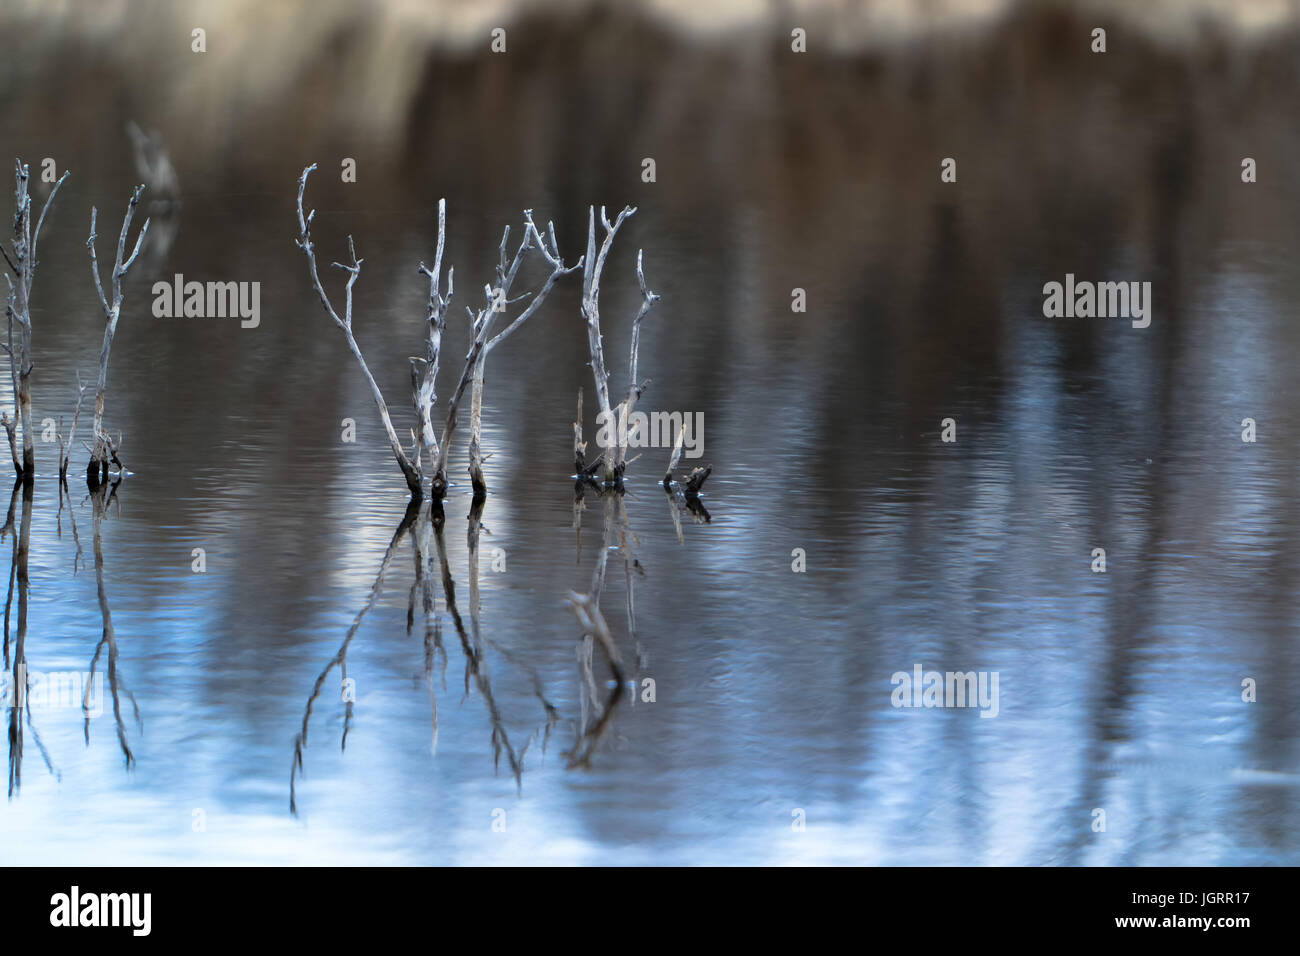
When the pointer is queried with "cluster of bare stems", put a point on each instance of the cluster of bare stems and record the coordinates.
(427, 445)
(431, 449)
(21, 261)
(18, 346)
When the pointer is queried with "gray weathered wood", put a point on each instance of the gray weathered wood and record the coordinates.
(23, 264)
(409, 470)
(104, 448)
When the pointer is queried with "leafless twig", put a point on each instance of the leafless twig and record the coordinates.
(23, 264)
(65, 444)
(498, 299)
(634, 388)
(104, 450)
(409, 470)
(595, 265)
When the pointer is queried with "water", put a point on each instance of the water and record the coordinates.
(1119, 692)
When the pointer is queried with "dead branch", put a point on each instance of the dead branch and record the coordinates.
(11, 427)
(498, 298)
(634, 390)
(409, 470)
(673, 459)
(579, 446)
(23, 264)
(694, 481)
(65, 444)
(103, 451)
(424, 372)
(595, 265)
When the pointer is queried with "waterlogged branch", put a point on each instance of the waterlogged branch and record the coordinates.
(594, 267)
(11, 428)
(22, 263)
(481, 326)
(104, 449)
(579, 445)
(424, 372)
(409, 469)
(694, 481)
(533, 239)
(65, 444)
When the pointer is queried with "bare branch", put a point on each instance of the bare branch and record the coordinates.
(591, 312)
(44, 209)
(94, 259)
(105, 450)
(414, 480)
(424, 387)
(634, 390)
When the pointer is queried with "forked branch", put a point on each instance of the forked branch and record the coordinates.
(22, 264)
(410, 471)
(104, 449)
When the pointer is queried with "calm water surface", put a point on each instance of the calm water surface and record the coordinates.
(1119, 691)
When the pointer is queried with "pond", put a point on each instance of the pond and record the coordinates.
(263, 573)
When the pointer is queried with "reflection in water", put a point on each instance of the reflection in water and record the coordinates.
(423, 522)
(19, 706)
(102, 495)
(340, 659)
(587, 609)
(55, 686)
(419, 524)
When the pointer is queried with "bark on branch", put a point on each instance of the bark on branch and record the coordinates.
(533, 239)
(105, 448)
(410, 471)
(22, 264)
(634, 389)
(424, 370)
(612, 470)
